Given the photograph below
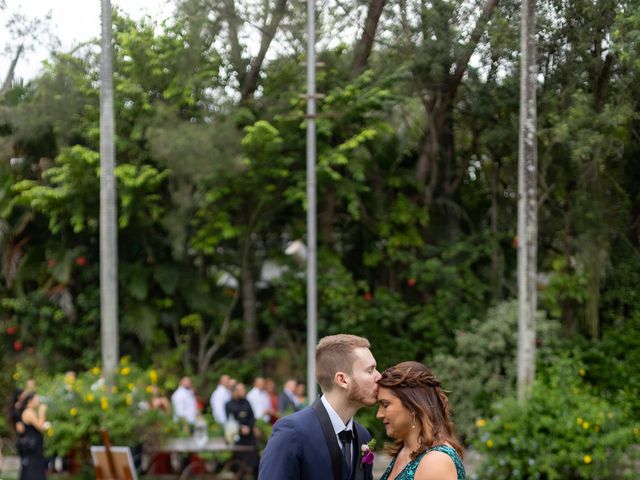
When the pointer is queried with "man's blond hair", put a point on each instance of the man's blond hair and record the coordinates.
(334, 354)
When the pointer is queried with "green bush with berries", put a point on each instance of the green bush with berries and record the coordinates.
(563, 431)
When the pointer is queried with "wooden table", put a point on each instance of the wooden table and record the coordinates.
(189, 445)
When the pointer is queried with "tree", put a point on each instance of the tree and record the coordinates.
(25, 33)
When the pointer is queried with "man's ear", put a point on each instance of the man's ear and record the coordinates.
(341, 379)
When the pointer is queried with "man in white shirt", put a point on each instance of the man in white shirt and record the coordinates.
(219, 398)
(259, 399)
(184, 402)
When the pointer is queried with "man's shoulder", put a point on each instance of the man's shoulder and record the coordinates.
(303, 416)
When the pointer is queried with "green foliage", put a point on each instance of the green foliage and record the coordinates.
(483, 368)
(564, 430)
(612, 365)
(68, 198)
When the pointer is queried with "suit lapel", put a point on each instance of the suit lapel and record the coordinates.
(330, 438)
(357, 465)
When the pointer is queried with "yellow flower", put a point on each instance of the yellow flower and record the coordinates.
(16, 376)
(130, 387)
(481, 422)
(89, 397)
(50, 432)
(95, 371)
(73, 411)
(587, 459)
(124, 360)
(153, 376)
(490, 443)
(149, 389)
(128, 399)
(582, 372)
(104, 403)
(586, 425)
(114, 389)
(125, 371)
(579, 420)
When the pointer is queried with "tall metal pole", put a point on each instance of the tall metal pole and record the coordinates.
(312, 295)
(527, 202)
(108, 225)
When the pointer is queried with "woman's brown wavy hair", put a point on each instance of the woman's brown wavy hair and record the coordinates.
(420, 393)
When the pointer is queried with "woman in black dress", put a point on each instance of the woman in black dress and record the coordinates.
(32, 446)
(240, 408)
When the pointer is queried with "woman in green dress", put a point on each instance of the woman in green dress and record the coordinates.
(415, 413)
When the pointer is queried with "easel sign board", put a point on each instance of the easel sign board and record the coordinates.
(122, 463)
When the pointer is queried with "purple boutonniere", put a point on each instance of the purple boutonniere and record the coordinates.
(367, 452)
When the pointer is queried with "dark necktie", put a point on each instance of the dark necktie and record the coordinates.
(346, 437)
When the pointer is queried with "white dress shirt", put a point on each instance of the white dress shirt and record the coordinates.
(184, 405)
(336, 422)
(219, 398)
(260, 403)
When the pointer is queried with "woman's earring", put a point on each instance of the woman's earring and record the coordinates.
(413, 425)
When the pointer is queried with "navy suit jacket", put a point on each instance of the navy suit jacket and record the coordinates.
(303, 446)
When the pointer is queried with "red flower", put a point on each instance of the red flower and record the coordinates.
(51, 262)
(81, 261)
(367, 296)
(17, 345)
(411, 282)
(11, 330)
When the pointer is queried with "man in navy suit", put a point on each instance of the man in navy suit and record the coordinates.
(323, 442)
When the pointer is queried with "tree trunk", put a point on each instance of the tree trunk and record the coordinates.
(527, 203)
(249, 314)
(497, 259)
(250, 83)
(234, 40)
(365, 44)
(108, 225)
(12, 68)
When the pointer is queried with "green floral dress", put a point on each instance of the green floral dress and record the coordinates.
(409, 471)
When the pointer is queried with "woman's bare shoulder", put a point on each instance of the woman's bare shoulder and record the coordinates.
(436, 465)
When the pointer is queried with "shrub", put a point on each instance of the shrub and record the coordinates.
(484, 367)
(563, 431)
(80, 406)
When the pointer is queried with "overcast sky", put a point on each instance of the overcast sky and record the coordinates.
(73, 21)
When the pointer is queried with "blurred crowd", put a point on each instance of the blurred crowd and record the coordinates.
(267, 403)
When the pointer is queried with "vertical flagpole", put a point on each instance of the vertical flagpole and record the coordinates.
(108, 208)
(527, 203)
(312, 295)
